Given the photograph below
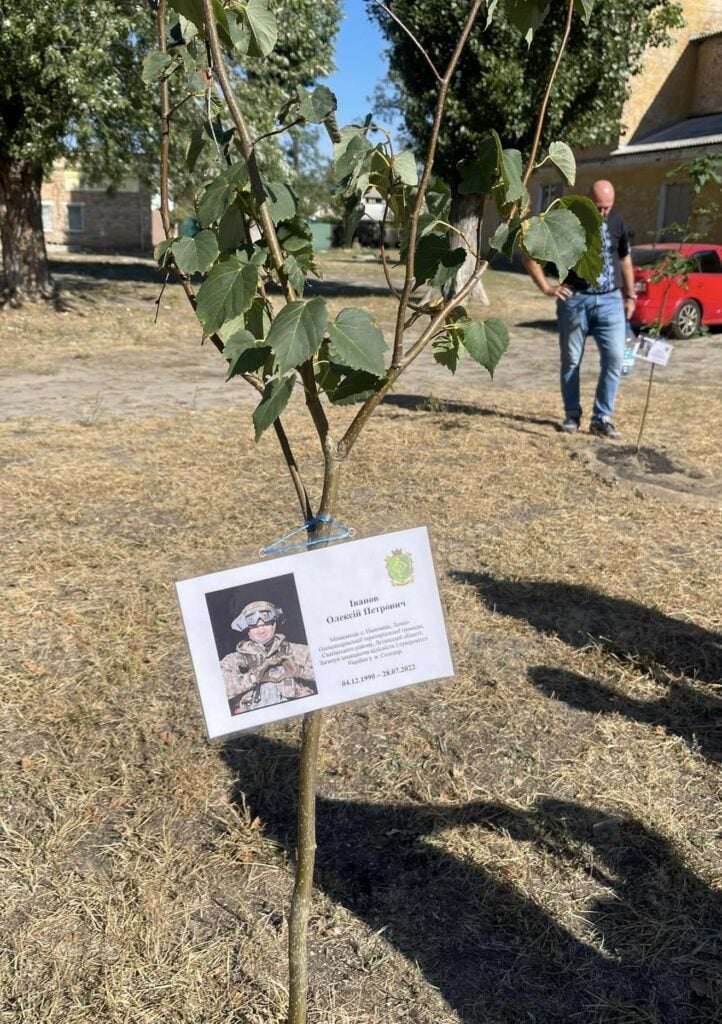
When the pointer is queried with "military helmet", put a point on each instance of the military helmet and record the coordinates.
(255, 613)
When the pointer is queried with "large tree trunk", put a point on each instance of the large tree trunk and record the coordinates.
(25, 259)
(464, 216)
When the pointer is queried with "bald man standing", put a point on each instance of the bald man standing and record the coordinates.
(600, 308)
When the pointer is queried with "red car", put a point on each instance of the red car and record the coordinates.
(681, 303)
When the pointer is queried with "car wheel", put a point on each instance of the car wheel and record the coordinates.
(686, 320)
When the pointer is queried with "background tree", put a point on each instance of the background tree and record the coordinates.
(500, 80)
(70, 86)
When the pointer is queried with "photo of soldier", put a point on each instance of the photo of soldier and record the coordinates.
(267, 664)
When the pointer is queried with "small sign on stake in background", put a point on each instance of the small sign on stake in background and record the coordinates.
(276, 639)
(655, 352)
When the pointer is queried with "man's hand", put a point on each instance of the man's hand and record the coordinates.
(559, 291)
(629, 303)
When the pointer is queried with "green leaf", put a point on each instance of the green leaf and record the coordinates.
(261, 22)
(297, 332)
(294, 273)
(527, 15)
(486, 341)
(257, 320)
(447, 352)
(276, 395)
(226, 292)
(589, 266)
(282, 201)
(155, 66)
(216, 199)
(404, 168)
(231, 230)
(561, 155)
(585, 8)
(162, 252)
(192, 10)
(195, 147)
(479, 175)
(195, 255)
(295, 236)
(504, 238)
(555, 237)
(511, 173)
(349, 153)
(237, 349)
(357, 341)
(316, 106)
(438, 199)
(181, 31)
(356, 387)
(436, 261)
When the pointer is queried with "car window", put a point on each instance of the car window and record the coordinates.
(709, 262)
(647, 257)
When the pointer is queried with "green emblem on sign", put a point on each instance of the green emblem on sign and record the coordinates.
(400, 567)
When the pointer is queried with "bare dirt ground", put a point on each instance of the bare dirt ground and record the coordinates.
(536, 840)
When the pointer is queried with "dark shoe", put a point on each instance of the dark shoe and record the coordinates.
(603, 428)
(570, 425)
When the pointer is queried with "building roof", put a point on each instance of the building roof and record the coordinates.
(701, 36)
(693, 131)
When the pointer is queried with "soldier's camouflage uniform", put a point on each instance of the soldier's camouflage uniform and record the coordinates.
(258, 675)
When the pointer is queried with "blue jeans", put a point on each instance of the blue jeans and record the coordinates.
(602, 316)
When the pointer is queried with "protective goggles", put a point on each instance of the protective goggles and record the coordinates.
(255, 617)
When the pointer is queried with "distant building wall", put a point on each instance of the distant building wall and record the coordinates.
(81, 216)
(707, 98)
(664, 91)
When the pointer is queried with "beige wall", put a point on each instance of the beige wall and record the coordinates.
(119, 222)
(707, 98)
(664, 91)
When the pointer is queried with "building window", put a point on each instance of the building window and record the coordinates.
(676, 206)
(47, 216)
(547, 194)
(75, 217)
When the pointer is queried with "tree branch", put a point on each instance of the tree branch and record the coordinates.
(547, 95)
(411, 36)
(423, 184)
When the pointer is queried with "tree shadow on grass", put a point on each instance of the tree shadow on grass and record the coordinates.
(683, 711)
(93, 272)
(653, 642)
(417, 403)
(664, 647)
(540, 325)
(492, 951)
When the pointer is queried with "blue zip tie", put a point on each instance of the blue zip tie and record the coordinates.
(279, 546)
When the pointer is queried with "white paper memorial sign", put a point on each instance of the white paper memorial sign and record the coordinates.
(652, 350)
(301, 632)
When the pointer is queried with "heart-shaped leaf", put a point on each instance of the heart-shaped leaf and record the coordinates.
(555, 237)
(486, 341)
(227, 292)
(297, 332)
(261, 22)
(562, 157)
(357, 341)
(195, 255)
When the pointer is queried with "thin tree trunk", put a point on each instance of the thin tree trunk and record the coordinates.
(464, 217)
(25, 259)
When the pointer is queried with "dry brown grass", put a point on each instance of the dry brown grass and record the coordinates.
(535, 840)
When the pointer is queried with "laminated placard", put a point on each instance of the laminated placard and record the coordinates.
(284, 637)
(653, 350)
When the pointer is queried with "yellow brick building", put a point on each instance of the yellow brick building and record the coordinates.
(673, 115)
